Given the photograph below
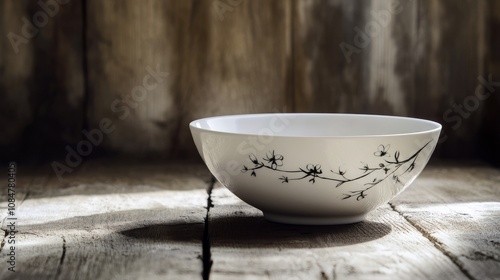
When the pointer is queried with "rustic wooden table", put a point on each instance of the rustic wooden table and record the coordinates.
(112, 220)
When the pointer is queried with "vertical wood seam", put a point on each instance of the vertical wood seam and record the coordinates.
(291, 83)
(181, 87)
(86, 93)
(206, 257)
(434, 242)
(61, 260)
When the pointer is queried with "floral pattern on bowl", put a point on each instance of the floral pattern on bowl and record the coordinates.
(389, 168)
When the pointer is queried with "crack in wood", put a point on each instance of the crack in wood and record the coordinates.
(436, 243)
(206, 257)
(495, 243)
(482, 256)
(61, 260)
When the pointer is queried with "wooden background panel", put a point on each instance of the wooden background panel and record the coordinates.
(326, 80)
(490, 132)
(15, 73)
(94, 61)
(354, 56)
(390, 89)
(237, 61)
(134, 69)
(41, 75)
(394, 57)
(450, 56)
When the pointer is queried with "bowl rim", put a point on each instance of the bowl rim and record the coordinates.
(437, 125)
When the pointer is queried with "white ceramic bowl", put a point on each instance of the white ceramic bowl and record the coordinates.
(315, 168)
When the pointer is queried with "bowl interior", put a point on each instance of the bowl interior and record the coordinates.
(316, 125)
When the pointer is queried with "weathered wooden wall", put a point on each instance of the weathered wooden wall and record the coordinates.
(93, 60)
(41, 76)
(126, 41)
(490, 130)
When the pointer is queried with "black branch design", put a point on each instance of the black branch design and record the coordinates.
(389, 165)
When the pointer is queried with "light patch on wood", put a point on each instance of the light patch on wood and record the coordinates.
(116, 220)
(430, 25)
(303, 10)
(112, 221)
(77, 205)
(458, 207)
(384, 84)
(385, 246)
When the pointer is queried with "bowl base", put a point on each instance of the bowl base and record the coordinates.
(301, 220)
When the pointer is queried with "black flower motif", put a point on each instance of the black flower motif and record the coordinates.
(275, 160)
(382, 150)
(365, 168)
(340, 172)
(312, 171)
(253, 159)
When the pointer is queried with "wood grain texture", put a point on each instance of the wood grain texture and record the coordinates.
(15, 70)
(450, 57)
(112, 221)
(352, 56)
(134, 67)
(390, 88)
(490, 132)
(243, 244)
(458, 208)
(127, 220)
(355, 56)
(325, 80)
(237, 61)
(397, 58)
(42, 75)
(151, 67)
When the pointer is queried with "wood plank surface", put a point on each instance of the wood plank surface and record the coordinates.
(458, 208)
(386, 246)
(111, 221)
